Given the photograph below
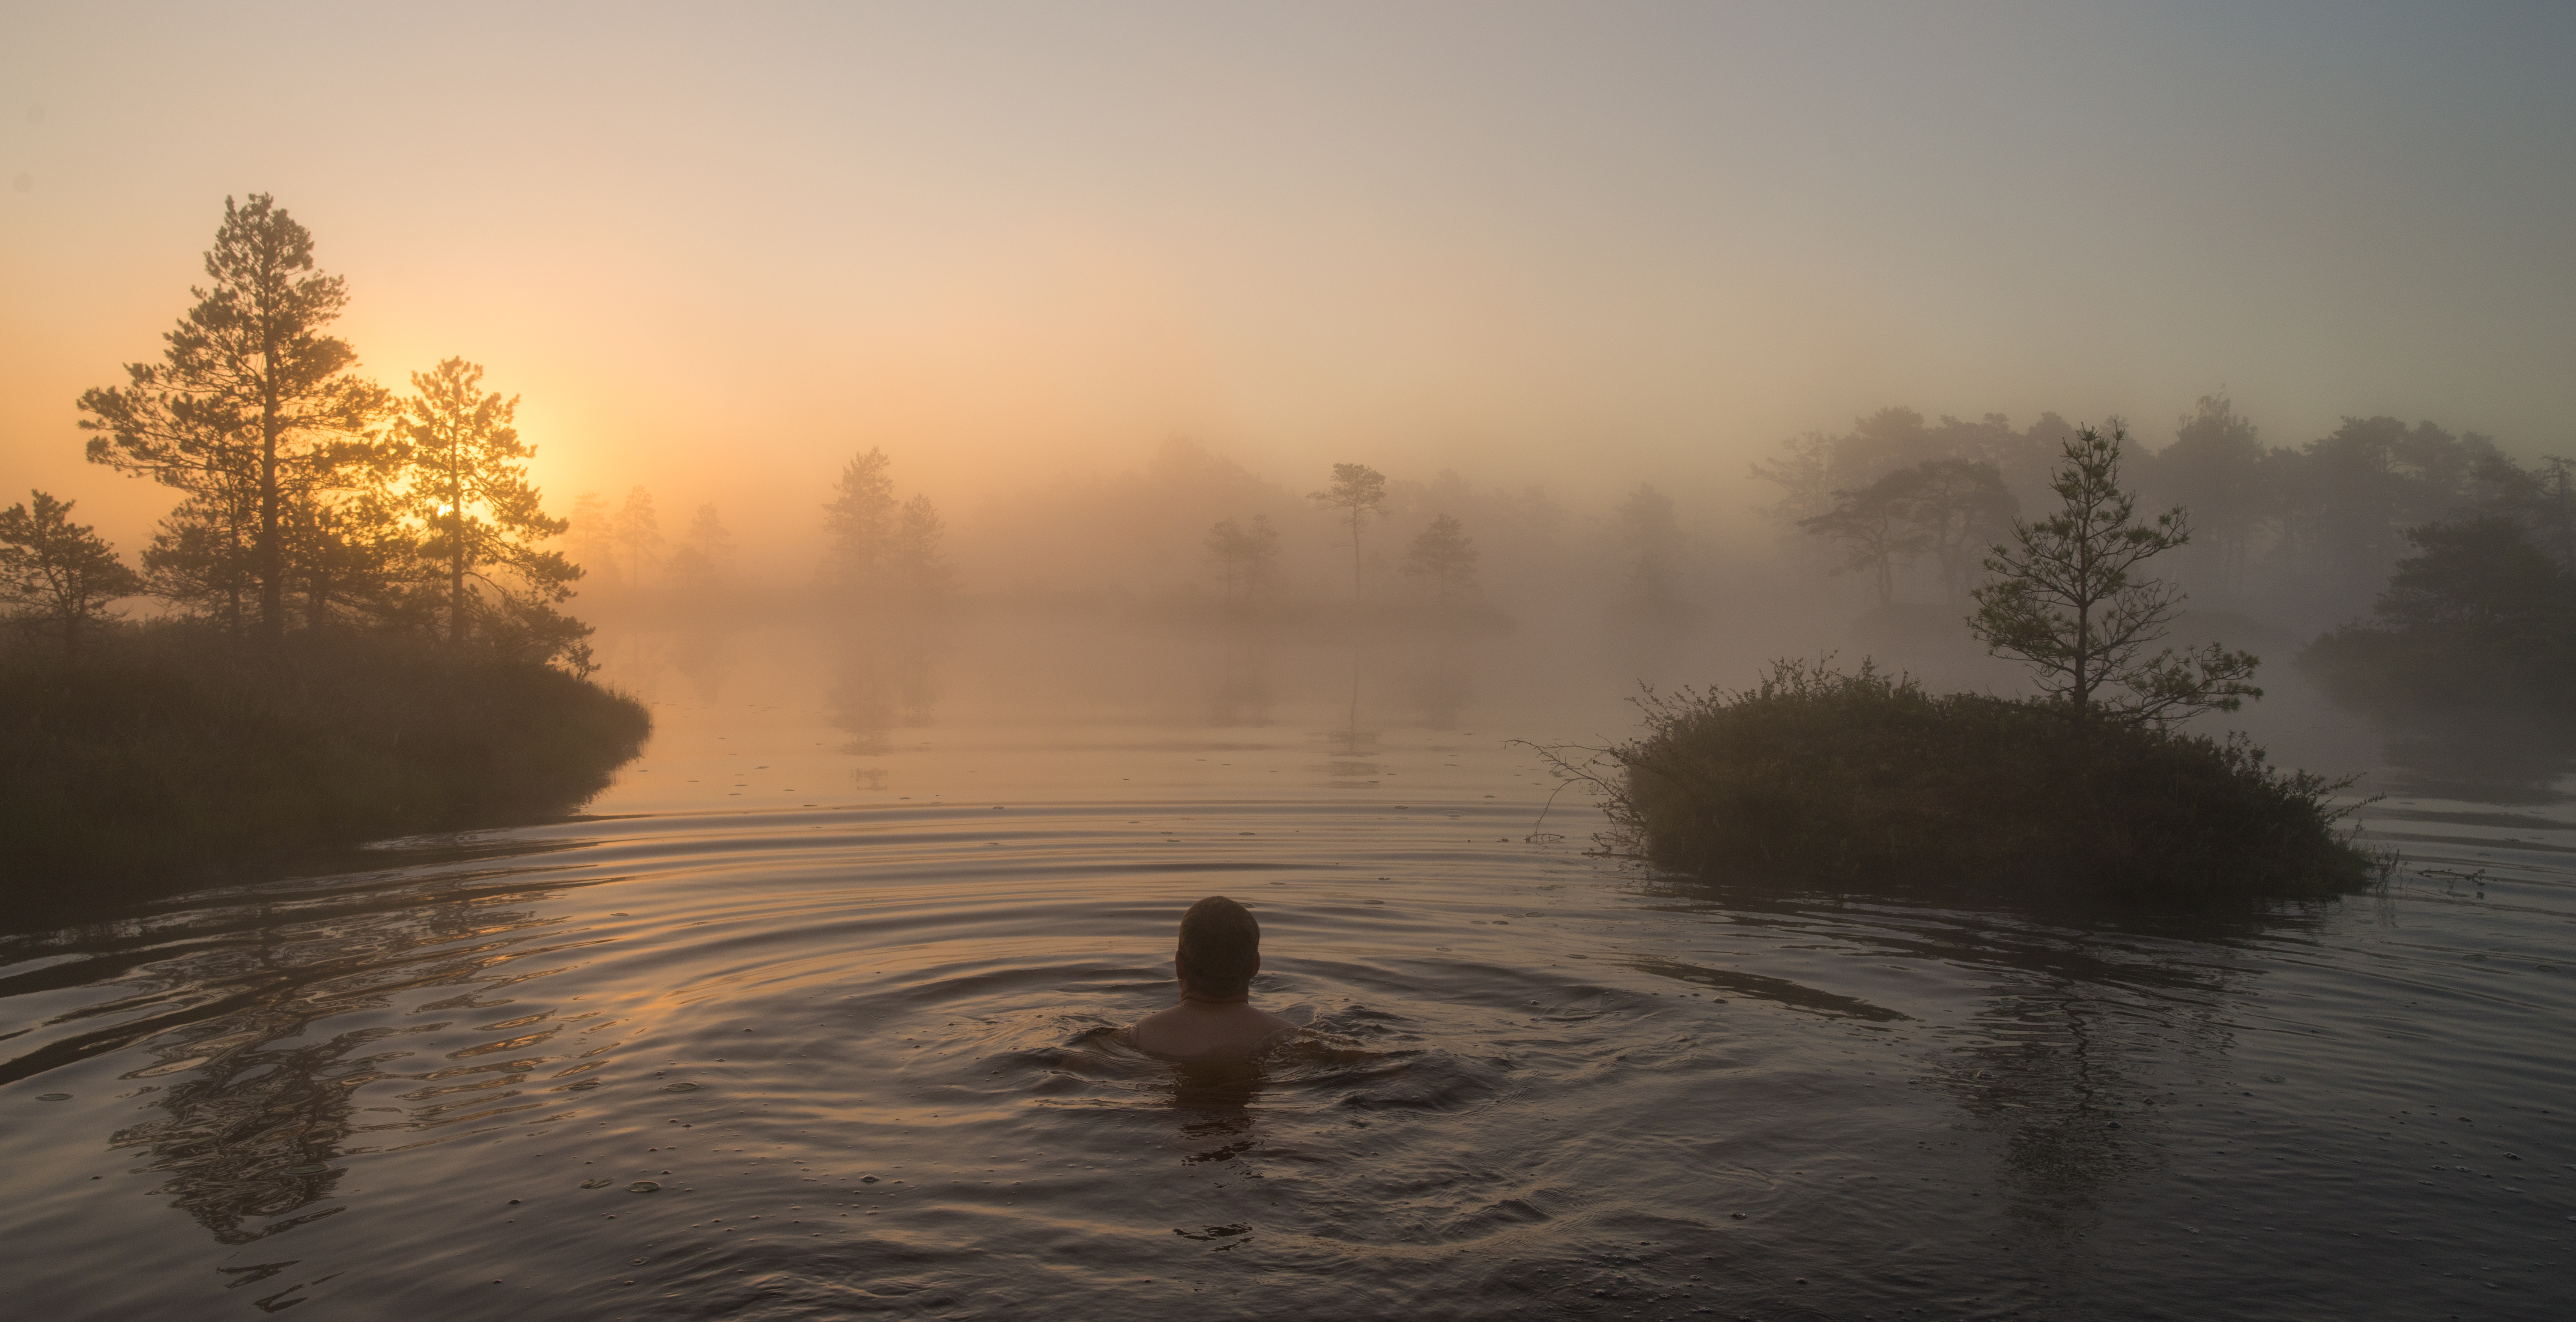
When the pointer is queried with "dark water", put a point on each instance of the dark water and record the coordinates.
(838, 966)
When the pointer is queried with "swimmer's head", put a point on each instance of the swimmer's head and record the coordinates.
(1220, 950)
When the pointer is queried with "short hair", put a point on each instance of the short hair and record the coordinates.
(1221, 944)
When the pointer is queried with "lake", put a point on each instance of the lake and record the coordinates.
(813, 1013)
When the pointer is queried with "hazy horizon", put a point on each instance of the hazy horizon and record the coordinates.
(718, 256)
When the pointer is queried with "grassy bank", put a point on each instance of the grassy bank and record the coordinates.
(1869, 780)
(171, 750)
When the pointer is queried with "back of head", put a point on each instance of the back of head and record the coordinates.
(1221, 944)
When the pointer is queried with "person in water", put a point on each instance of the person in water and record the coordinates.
(1220, 950)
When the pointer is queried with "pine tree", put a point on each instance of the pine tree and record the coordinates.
(705, 557)
(59, 575)
(1225, 544)
(916, 563)
(637, 535)
(1358, 491)
(2068, 600)
(468, 485)
(1876, 526)
(1446, 555)
(861, 522)
(252, 409)
(591, 540)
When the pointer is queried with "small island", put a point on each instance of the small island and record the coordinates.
(358, 632)
(2089, 790)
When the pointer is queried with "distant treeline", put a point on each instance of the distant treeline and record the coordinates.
(1910, 507)
(2306, 534)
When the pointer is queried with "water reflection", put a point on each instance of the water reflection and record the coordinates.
(883, 679)
(2476, 757)
(257, 1111)
(1441, 683)
(705, 654)
(2076, 1030)
(1237, 680)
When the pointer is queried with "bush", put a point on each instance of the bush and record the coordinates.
(1816, 775)
(172, 747)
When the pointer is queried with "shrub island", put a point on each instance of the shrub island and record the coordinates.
(2090, 789)
(1866, 778)
(173, 747)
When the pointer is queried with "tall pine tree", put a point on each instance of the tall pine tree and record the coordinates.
(253, 410)
(469, 487)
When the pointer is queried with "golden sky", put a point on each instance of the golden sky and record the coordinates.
(717, 249)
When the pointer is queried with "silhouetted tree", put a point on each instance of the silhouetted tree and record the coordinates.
(860, 522)
(591, 541)
(353, 556)
(2067, 600)
(1357, 491)
(1246, 557)
(1446, 555)
(58, 575)
(2540, 500)
(637, 534)
(1959, 507)
(1228, 545)
(2215, 468)
(1804, 472)
(468, 485)
(705, 557)
(2484, 580)
(200, 556)
(1877, 528)
(252, 408)
(918, 565)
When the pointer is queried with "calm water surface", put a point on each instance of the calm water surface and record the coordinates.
(815, 1015)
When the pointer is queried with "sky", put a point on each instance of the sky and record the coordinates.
(718, 250)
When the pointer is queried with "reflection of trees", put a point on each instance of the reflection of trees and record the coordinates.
(882, 679)
(2073, 1031)
(1238, 683)
(2080, 1022)
(2480, 757)
(1351, 745)
(704, 655)
(257, 1108)
(1441, 684)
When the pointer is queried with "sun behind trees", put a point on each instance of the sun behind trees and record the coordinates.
(311, 495)
(364, 640)
(468, 485)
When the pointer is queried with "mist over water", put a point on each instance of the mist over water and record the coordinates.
(1042, 472)
(814, 1014)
